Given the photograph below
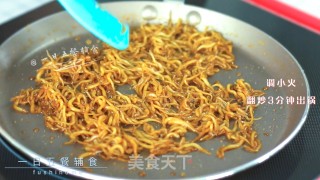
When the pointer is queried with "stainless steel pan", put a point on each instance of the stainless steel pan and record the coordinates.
(258, 55)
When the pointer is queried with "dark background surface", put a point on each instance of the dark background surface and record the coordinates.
(300, 159)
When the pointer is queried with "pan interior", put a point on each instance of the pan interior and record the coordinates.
(258, 56)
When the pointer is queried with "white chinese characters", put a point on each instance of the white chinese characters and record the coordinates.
(289, 100)
(281, 83)
(158, 163)
(65, 161)
(74, 52)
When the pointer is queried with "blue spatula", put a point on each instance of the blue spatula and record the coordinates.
(99, 22)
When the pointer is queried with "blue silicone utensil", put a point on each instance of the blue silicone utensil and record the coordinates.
(99, 22)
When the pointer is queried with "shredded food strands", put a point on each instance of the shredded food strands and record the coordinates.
(167, 66)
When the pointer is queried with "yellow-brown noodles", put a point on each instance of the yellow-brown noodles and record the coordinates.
(168, 68)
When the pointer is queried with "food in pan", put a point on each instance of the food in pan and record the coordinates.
(168, 67)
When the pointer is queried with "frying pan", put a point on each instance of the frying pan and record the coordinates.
(258, 56)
